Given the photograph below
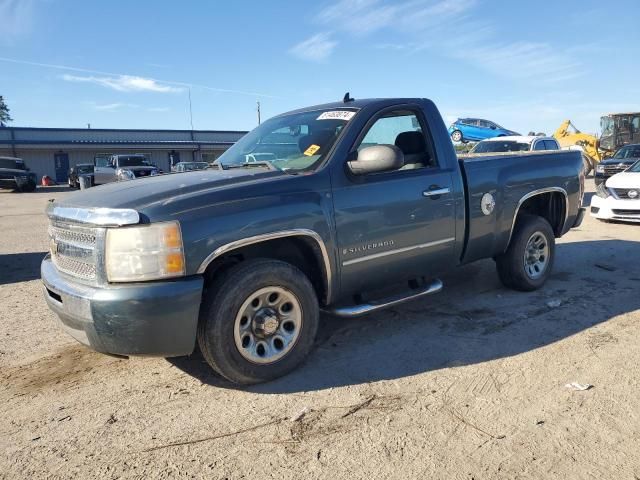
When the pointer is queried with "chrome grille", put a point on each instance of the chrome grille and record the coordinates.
(74, 250)
(610, 170)
(623, 193)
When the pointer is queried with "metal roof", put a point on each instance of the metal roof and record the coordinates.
(77, 136)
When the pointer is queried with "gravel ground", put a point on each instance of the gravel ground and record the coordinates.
(467, 384)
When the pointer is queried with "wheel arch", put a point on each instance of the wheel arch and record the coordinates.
(550, 203)
(302, 248)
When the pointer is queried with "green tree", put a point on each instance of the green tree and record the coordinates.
(4, 113)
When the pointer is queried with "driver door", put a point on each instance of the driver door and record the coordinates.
(391, 226)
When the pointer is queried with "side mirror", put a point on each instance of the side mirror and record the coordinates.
(375, 159)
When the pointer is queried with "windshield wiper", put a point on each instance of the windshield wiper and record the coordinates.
(261, 163)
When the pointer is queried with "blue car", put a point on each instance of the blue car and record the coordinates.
(475, 129)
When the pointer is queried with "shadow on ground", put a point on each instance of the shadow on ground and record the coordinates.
(20, 267)
(473, 320)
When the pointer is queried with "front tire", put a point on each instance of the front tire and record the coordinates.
(528, 261)
(258, 322)
(456, 136)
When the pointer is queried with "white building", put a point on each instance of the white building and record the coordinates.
(52, 151)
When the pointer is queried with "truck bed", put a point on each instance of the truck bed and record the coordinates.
(510, 178)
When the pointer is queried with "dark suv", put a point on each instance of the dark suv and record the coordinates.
(15, 175)
(623, 159)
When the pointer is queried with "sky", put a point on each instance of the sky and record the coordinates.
(124, 64)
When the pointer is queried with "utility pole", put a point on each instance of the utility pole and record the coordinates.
(258, 112)
(190, 110)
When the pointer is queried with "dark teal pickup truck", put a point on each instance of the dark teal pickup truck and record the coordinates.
(345, 208)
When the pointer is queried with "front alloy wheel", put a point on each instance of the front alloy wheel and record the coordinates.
(268, 325)
(456, 136)
(258, 321)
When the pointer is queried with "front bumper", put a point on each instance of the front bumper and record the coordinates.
(154, 319)
(611, 208)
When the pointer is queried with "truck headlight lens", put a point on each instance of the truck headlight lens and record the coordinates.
(600, 169)
(124, 174)
(602, 191)
(144, 252)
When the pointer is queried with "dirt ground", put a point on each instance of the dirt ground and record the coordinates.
(466, 384)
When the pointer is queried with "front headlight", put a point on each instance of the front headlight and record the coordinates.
(599, 168)
(602, 191)
(154, 172)
(124, 174)
(144, 252)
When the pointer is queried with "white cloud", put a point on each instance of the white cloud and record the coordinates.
(162, 83)
(158, 109)
(111, 107)
(124, 83)
(317, 48)
(451, 28)
(16, 18)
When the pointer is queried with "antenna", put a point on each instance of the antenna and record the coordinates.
(190, 110)
(347, 98)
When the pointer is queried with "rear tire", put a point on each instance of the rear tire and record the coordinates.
(258, 322)
(528, 261)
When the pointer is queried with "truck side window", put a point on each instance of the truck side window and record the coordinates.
(539, 145)
(551, 145)
(404, 130)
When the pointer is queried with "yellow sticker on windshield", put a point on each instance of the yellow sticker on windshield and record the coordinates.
(312, 150)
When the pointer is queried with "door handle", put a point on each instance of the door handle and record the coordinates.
(436, 192)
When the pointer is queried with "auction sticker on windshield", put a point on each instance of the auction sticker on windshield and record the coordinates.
(337, 115)
(311, 150)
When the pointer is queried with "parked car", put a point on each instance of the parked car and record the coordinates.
(621, 160)
(189, 166)
(618, 198)
(82, 169)
(520, 143)
(476, 129)
(123, 167)
(15, 175)
(242, 259)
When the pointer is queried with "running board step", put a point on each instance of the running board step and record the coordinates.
(357, 310)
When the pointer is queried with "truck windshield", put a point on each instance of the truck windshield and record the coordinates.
(84, 168)
(133, 162)
(11, 163)
(630, 151)
(606, 125)
(498, 147)
(291, 143)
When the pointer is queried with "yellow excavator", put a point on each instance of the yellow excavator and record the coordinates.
(568, 136)
(618, 130)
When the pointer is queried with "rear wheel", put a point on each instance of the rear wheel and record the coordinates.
(528, 261)
(456, 136)
(259, 321)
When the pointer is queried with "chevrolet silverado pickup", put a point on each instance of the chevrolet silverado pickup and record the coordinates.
(362, 205)
(120, 168)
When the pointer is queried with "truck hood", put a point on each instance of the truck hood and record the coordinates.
(619, 161)
(142, 193)
(140, 167)
(12, 172)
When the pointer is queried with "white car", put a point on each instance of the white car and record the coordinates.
(619, 197)
(516, 143)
